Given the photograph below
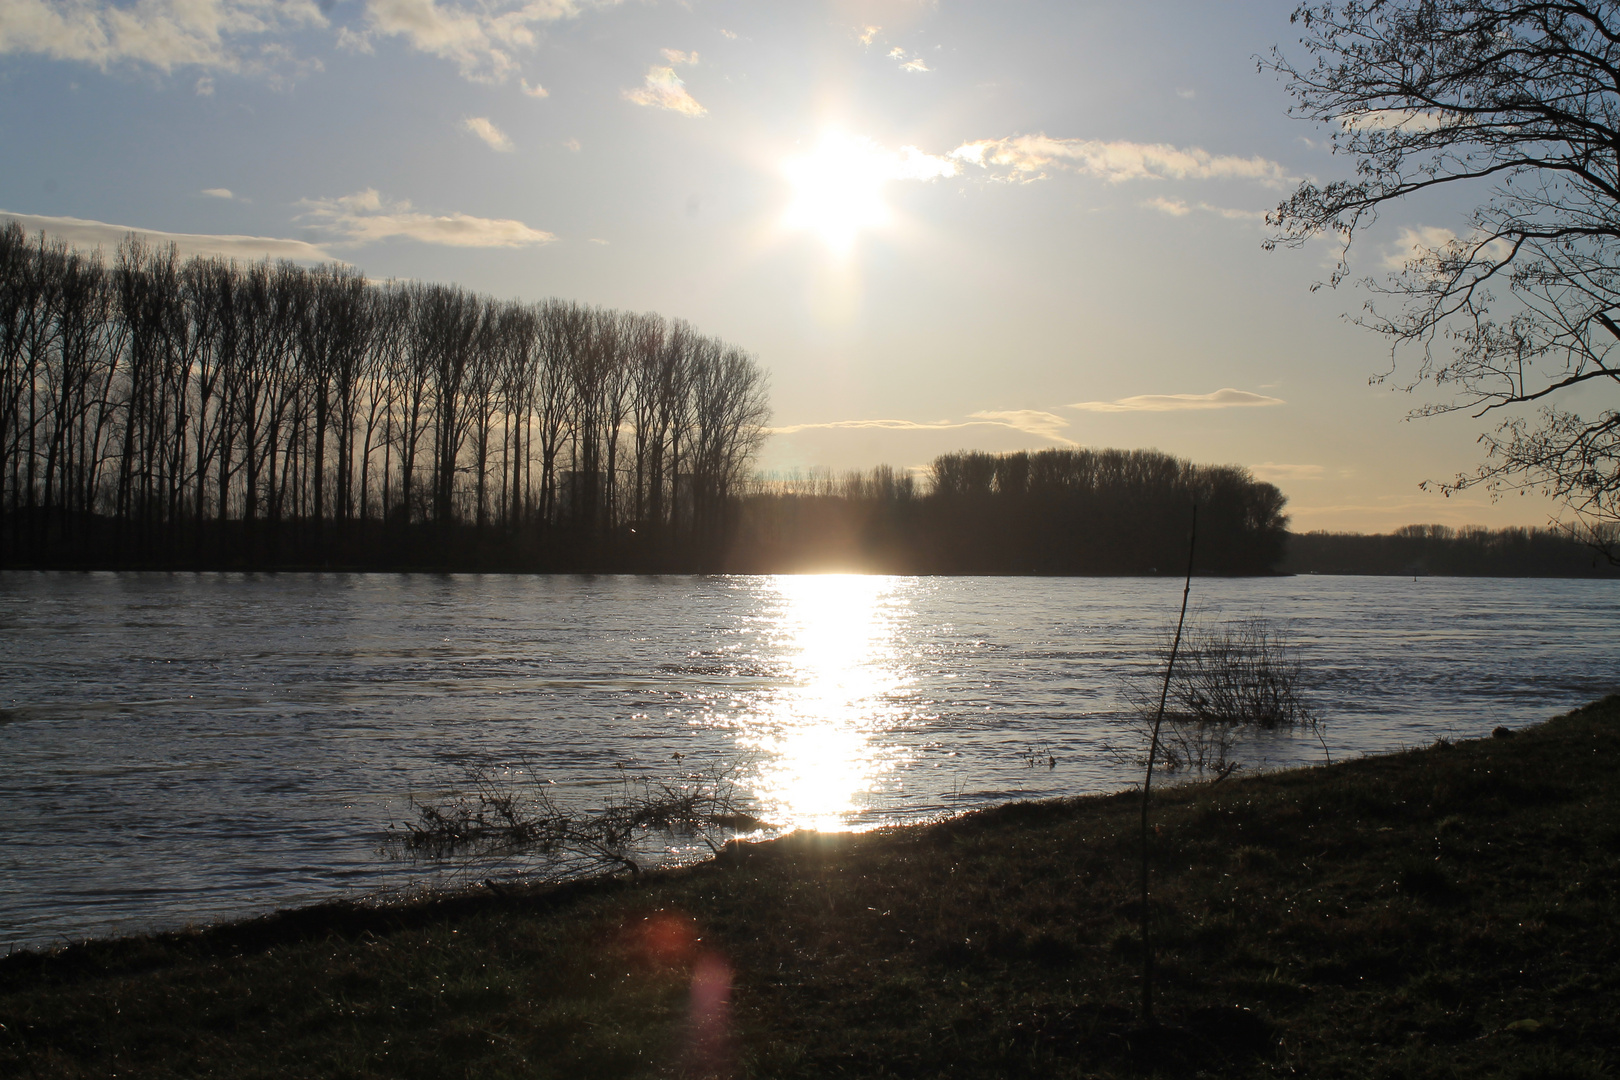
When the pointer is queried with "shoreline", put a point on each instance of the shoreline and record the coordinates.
(1440, 911)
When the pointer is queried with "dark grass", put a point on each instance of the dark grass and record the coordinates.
(1447, 912)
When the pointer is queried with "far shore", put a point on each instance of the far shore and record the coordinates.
(1440, 912)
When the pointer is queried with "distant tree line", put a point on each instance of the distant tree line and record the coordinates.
(1051, 512)
(160, 411)
(1472, 551)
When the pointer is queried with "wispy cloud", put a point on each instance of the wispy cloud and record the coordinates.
(663, 89)
(366, 217)
(1030, 157)
(86, 233)
(1411, 120)
(1275, 471)
(1225, 398)
(1426, 241)
(676, 56)
(912, 164)
(535, 91)
(485, 129)
(1181, 208)
(1029, 421)
(481, 39)
(1032, 421)
(907, 63)
(866, 33)
(218, 193)
(164, 34)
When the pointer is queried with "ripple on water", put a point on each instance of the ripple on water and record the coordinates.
(199, 746)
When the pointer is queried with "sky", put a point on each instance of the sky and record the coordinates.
(938, 225)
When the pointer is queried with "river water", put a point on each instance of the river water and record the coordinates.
(180, 748)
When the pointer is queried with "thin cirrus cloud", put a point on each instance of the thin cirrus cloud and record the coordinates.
(1030, 421)
(366, 217)
(164, 34)
(663, 89)
(1225, 398)
(1034, 157)
(1027, 158)
(1424, 244)
(485, 129)
(1410, 120)
(907, 63)
(86, 233)
(482, 40)
(1280, 471)
(1181, 208)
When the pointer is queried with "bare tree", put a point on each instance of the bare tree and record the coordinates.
(1516, 105)
(178, 397)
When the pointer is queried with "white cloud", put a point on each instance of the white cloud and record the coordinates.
(913, 164)
(1028, 157)
(1396, 120)
(574, 145)
(1029, 421)
(218, 193)
(663, 89)
(727, 34)
(675, 56)
(1173, 207)
(1225, 398)
(1412, 245)
(1181, 208)
(867, 33)
(355, 41)
(164, 34)
(1186, 95)
(205, 86)
(366, 217)
(913, 63)
(1032, 421)
(89, 234)
(1275, 472)
(485, 129)
(480, 38)
(535, 91)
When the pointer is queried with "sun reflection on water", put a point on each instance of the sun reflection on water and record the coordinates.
(819, 754)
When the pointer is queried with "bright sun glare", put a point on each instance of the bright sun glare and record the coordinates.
(838, 189)
(821, 757)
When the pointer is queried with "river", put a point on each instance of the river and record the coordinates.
(181, 748)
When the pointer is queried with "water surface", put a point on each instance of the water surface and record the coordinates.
(182, 748)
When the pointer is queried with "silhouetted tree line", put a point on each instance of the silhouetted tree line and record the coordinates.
(160, 411)
(1051, 512)
(1472, 551)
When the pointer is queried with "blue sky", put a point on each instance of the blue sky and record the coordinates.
(938, 225)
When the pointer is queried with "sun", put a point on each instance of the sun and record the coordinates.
(838, 189)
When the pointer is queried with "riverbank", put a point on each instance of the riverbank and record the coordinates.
(1442, 912)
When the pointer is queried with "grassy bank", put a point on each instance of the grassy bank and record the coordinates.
(1448, 912)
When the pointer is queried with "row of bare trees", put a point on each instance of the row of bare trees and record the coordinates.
(162, 403)
(1058, 511)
